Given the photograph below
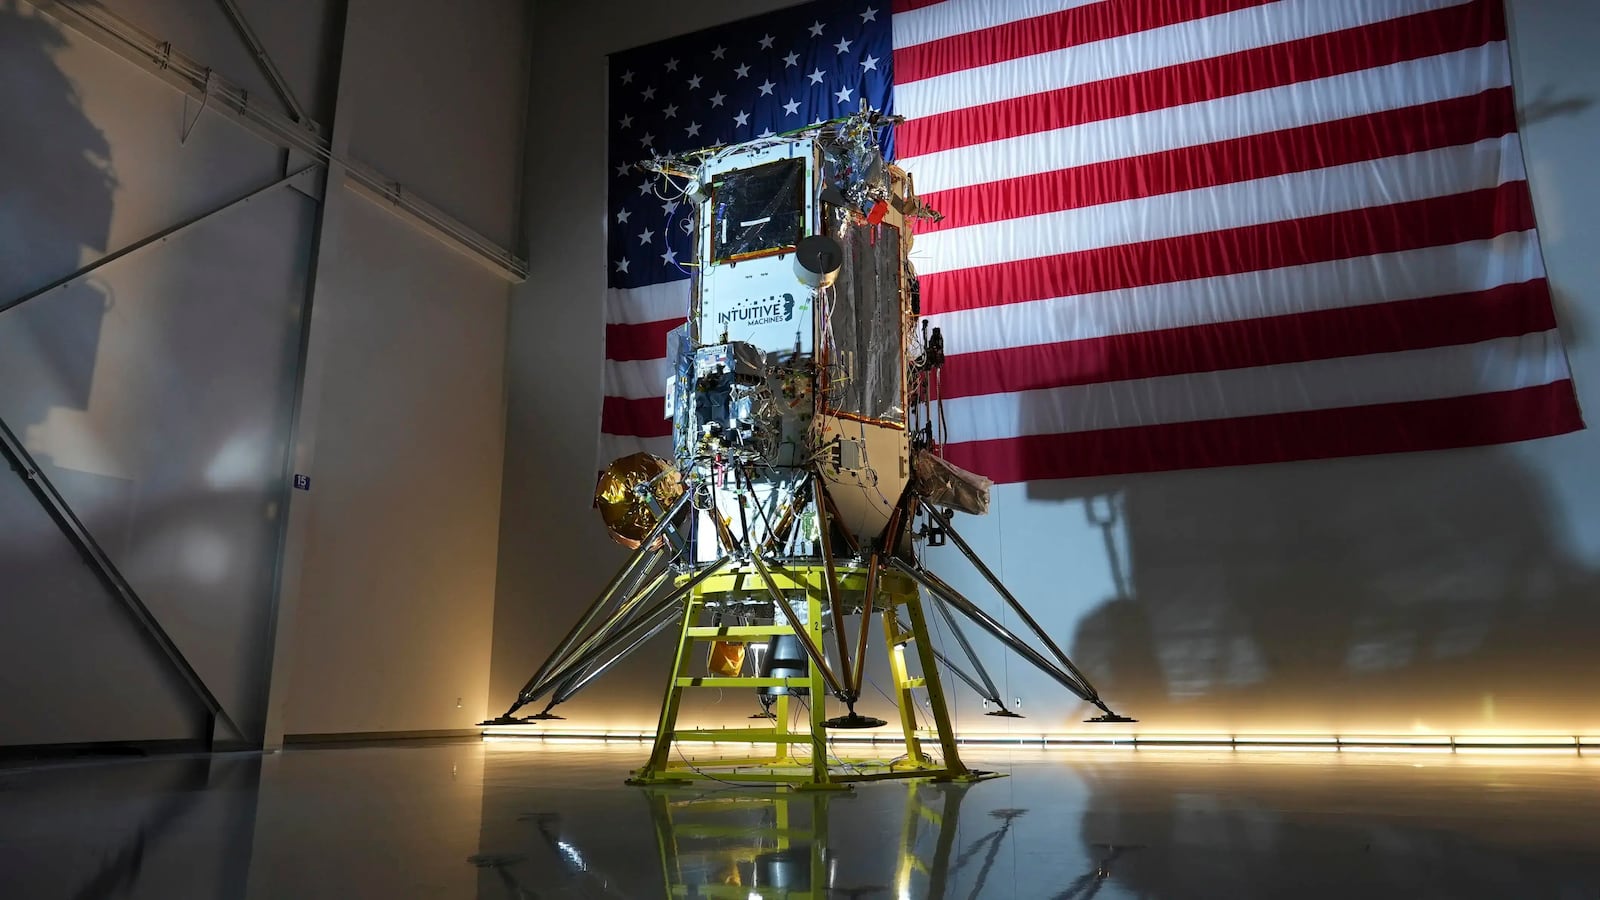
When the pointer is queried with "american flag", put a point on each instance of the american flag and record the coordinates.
(1178, 233)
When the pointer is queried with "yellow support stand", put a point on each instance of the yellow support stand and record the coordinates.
(774, 843)
(743, 844)
(800, 758)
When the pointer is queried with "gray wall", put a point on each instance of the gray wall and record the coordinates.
(1449, 591)
(158, 393)
(397, 599)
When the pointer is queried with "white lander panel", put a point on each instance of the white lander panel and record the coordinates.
(760, 202)
(824, 388)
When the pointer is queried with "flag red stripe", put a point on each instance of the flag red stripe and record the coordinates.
(900, 6)
(640, 418)
(1321, 56)
(1054, 31)
(1437, 221)
(1505, 311)
(1474, 420)
(1446, 123)
(645, 340)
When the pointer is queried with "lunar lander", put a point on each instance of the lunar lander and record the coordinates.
(806, 476)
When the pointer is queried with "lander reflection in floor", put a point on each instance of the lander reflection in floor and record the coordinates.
(775, 844)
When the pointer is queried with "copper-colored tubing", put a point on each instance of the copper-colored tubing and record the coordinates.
(874, 568)
(831, 576)
(856, 417)
(788, 612)
(784, 523)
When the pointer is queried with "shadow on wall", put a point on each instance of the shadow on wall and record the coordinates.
(50, 223)
(1547, 105)
(56, 199)
(1364, 595)
(1382, 593)
(156, 398)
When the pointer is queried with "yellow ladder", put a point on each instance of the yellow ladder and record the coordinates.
(700, 835)
(895, 591)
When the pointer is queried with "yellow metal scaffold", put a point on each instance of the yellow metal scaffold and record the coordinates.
(801, 757)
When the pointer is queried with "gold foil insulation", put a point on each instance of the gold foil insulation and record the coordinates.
(623, 491)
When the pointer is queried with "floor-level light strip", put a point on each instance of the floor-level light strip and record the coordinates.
(1356, 743)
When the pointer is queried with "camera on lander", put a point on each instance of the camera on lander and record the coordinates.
(806, 476)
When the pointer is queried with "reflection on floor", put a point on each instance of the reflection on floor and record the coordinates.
(518, 820)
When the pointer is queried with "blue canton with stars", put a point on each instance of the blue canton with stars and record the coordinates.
(753, 78)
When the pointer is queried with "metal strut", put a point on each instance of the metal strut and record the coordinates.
(156, 238)
(987, 689)
(623, 614)
(891, 539)
(1081, 689)
(830, 583)
(280, 86)
(800, 633)
(730, 546)
(573, 685)
(1016, 606)
(576, 674)
(972, 682)
(110, 575)
(622, 581)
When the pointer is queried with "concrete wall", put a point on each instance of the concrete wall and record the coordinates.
(1450, 591)
(158, 393)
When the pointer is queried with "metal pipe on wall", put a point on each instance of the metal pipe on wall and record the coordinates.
(303, 175)
(78, 533)
(161, 59)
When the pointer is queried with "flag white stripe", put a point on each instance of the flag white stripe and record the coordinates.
(1463, 73)
(638, 378)
(615, 446)
(953, 17)
(1143, 51)
(1499, 365)
(651, 303)
(1396, 179)
(1340, 284)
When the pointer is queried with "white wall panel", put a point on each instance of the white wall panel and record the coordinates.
(397, 603)
(439, 98)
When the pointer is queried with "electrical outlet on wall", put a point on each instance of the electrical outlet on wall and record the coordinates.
(458, 703)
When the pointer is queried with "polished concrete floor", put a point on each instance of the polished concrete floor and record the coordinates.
(528, 820)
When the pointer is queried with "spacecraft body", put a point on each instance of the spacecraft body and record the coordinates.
(805, 470)
(794, 360)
